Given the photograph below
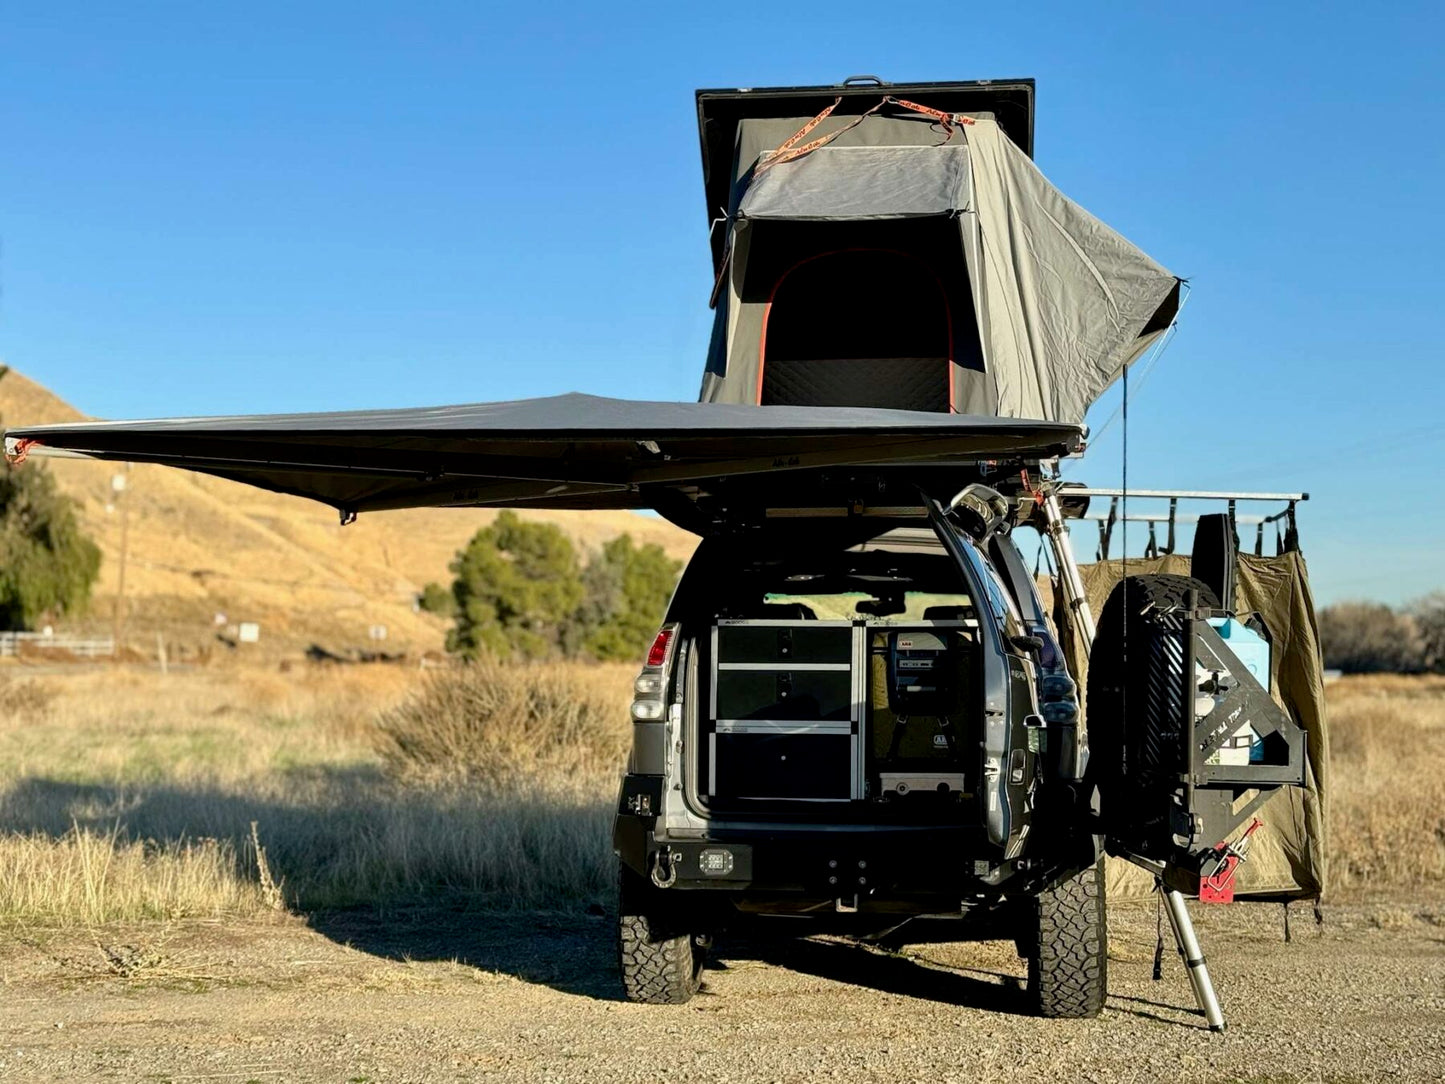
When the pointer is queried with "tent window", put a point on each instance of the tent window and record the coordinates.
(859, 327)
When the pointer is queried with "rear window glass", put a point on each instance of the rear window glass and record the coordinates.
(917, 606)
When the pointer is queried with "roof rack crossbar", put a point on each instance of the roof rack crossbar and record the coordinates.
(1164, 517)
(1185, 494)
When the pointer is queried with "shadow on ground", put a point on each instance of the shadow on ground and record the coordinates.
(577, 954)
(574, 954)
(572, 951)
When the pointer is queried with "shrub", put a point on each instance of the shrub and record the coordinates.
(436, 599)
(503, 724)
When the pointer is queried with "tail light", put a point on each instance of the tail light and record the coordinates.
(657, 653)
(650, 688)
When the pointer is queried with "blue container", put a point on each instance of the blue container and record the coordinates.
(1251, 649)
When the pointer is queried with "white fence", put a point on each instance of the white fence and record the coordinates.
(89, 647)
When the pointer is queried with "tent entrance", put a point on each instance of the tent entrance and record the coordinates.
(858, 327)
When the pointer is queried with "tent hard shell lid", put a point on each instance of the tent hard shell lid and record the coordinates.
(565, 451)
(915, 258)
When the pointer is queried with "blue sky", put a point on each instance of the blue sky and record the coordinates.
(208, 208)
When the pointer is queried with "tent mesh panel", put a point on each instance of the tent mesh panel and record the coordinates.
(894, 383)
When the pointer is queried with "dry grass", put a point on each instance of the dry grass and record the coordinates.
(500, 724)
(92, 877)
(127, 795)
(1387, 815)
(168, 775)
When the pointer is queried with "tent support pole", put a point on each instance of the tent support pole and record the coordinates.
(1071, 582)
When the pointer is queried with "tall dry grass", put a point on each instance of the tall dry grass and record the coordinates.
(91, 877)
(1387, 801)
(364, 784)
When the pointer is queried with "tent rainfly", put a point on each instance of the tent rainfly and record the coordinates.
(914, 264)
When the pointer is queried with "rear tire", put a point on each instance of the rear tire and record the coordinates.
(660, 962)
(1069, 962)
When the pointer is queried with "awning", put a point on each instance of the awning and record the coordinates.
(567, 451)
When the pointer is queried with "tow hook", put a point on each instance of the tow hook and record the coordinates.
(664, 868)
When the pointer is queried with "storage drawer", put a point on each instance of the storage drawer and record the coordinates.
(814, 765)
(802, 695)
(806, 642)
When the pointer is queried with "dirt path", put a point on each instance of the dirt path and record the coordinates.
(445, 997)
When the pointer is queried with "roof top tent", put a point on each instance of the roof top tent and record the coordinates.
(894, 246)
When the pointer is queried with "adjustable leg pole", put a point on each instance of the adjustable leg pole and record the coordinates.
(1193, 958)
(1075, 597)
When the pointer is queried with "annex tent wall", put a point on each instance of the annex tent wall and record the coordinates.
(1046, 305)
(1289, 854)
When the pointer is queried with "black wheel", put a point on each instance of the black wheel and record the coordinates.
(660, 961)
(1136, 708)
(1069, 958)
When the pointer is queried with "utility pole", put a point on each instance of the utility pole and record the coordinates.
(118, 486)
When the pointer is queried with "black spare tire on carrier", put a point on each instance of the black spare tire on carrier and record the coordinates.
(1136, 711)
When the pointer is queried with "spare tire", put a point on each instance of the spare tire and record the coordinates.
(1136, 709)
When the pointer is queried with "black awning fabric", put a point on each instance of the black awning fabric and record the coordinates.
(566, 451)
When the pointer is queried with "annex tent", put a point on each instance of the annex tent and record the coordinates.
(1288, 856)
(914, 263)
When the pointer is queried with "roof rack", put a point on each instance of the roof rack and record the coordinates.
(1171, 516)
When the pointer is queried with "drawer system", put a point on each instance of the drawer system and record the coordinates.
(820, 711)
(788, 699)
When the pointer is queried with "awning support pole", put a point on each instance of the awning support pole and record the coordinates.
(1193, 955)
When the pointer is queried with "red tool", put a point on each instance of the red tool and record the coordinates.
(1216, 875)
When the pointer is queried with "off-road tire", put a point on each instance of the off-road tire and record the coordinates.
(1135, 707)
(1069, 962)
(657, 955)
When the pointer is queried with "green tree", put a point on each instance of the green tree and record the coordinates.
(627, 588)
(517, 589)
(47, 564)
(436, 599)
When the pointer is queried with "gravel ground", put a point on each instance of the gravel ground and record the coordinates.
(423, 997)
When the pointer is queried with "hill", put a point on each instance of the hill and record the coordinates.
(200, 547)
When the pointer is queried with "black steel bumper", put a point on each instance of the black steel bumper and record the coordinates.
(823, 863)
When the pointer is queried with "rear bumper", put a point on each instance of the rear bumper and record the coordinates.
(818, 865)
(927, 864)
(873, 860)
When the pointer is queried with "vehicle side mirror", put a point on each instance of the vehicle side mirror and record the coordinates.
(979, 510)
